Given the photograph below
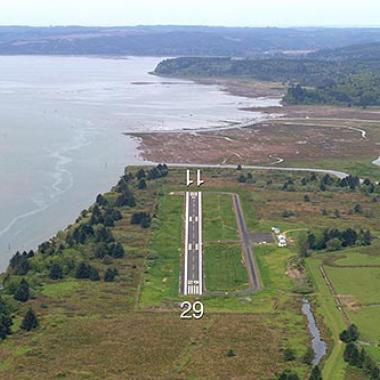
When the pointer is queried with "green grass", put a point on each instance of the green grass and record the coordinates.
(361, 283)
(360, 256)
(162, 277)
(375, 352)
(272, 262)
(261, 302)
(366, 319)
(224, 267)
(219, 221)
(60, 289)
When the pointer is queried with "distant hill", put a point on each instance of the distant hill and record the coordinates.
(177, 40)
(356, 52)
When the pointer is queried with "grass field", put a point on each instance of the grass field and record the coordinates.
(219, 221)
(161, 280)
(224, 268)
(273, 263)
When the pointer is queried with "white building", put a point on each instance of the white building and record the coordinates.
(282, 241)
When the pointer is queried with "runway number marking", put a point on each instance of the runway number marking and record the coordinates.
(192, 310)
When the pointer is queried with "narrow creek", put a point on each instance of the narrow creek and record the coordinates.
(317, 343)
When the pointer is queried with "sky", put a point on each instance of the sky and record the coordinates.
(191, 12)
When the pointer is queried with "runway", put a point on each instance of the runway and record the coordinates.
(193, 273)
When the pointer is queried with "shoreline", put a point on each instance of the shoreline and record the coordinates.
(143, 156)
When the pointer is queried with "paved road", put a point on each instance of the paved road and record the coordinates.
(334, 173)
(193, 273)
(253, 273)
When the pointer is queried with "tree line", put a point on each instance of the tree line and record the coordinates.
(67, 253)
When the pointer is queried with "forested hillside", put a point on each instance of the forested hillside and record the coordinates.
(311, 80)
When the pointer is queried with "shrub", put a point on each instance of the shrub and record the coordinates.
(287, 213)
(289, 355)
(141, 218)
(308, 356)
(110, 274)
(288, 375)
(334, 245)
(231, 353)
(101, 250)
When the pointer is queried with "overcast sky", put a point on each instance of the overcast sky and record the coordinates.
(194, 12)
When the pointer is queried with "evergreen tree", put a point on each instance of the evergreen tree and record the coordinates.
(316, 374)
(96, 215)
(146, 221)
(22, 293)
(108, 221)
(367, 238)
(125, 199)
(142, 184)
(56, 272)
(5, 320)
(117, 250)
(313, 177)
(94, 274)
(19, 264)
(288, 375)
(30, 321)
(101, 201)
(30, 254)
(116, 215)
(351, 354)
(103, 234)
(140, 174)
(83, 270)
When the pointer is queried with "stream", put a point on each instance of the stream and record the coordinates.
(318, 345)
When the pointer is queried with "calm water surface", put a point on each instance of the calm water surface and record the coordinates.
(61, 133)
